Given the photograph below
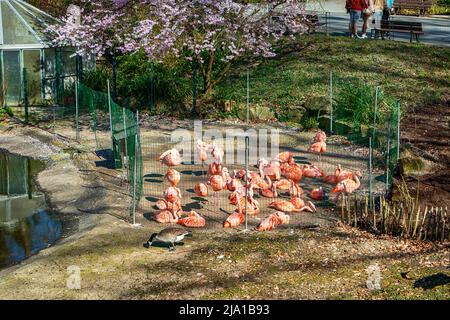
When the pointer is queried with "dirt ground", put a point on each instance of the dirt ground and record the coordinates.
(426, 132)
(307, 261)
(215, 208)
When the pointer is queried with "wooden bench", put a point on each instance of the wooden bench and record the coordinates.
(422, 5)
(391, 26)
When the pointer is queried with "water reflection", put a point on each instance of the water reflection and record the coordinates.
(25, 226)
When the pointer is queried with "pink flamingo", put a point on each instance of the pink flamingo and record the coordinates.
(348, 185)
(317, 194)
(312, 171)
(193, 220)
(320, 136)
(273, 220)
(170, 158)
(269, 169)
(218, 153)
(173, 176)
(172, 194)
(201, 189)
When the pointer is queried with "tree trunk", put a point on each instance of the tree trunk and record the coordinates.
(207, 73)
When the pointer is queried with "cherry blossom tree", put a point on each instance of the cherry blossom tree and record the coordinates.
(210, 33)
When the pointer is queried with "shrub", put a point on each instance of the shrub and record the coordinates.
(5, 112)
(354, 104)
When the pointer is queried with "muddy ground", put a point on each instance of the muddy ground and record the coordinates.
(425, 132)
(306, 262)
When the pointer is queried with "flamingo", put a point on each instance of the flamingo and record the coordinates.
(292, 172)
(269, 169)
(172, 194)
(252, 204)
(234, 184)
(163, 204)
(226, 176)
(330, 179)
(345, 174)
(201, 189)
(320, 136)
(234, 220)
(173, 176)
(273, 220)
(215, 168)
(262, 184)
(294, 205)
(242, 173)
(348, 185)
(319, 148)
(312, 171)
(218, 153)
(317, 194)
(269, 192)
(202, 148)
(170, 158)
(333, 178)
(193, 220)
(216, 182)
(285, 184)
(165, 216)
(285, 157)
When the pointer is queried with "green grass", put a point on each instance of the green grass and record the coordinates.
(298, 77)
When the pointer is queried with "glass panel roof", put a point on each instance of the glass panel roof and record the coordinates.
(23, 24)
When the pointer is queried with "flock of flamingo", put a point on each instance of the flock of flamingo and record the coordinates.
(275, 177)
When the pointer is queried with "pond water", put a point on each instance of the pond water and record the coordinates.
(26, 227)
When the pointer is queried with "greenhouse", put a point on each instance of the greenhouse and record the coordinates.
(32, 70)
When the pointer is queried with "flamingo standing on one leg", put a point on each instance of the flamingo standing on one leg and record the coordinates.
(319, 148)
(202, 148)
(218, 153)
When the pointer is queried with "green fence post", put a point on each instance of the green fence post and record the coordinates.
(77, 125)
(152, 87)
(331, 102)
(248, 96)
(247, 142)
(194, 89)
(375, 110)
(58, 76)
(135, 167)
(387, 154)
(127, 156)
(25, 95)
(398, 130)
(110, 121)
(370, 173)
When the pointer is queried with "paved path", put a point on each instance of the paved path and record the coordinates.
(436, 28)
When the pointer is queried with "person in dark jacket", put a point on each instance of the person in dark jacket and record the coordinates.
(355, 8)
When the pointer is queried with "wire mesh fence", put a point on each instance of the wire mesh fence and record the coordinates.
(361, 122)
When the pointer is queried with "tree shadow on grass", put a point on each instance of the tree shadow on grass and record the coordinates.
(430, 282)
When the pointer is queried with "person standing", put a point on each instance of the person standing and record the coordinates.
(355, 8)
(366, 14)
